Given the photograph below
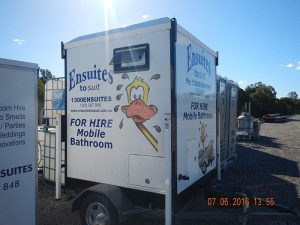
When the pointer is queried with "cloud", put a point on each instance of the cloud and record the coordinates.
(19, 41)
(295, 66)
(290, 65)
(145, 16)
(242, 82)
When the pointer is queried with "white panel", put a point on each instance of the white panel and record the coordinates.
(49, 85)
(52, 163)
(48, 95)
(46, 152)
(18, 142)
(47, 162)
(196, 111)
(46, 173)
(146, 171)
(109, 162)
(52, 152)
(192, 161)
(52, 139)
(52, 175)
(62, 178)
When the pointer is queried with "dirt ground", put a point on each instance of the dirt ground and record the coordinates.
(267, 168)
(270, 167)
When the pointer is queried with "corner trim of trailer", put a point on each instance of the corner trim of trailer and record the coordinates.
(64, 57)
(63, 51)
(173, 39)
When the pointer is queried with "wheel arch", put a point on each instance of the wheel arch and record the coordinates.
(113, 193)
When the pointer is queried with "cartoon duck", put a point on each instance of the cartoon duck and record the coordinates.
(137, 95)
(203, 133)
(137, 108)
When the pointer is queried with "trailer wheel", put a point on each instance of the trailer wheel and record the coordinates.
(98, 210)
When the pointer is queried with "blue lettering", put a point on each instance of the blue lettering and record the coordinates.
(97, 74)
(189, 66)
(72, 81)
(194, 58)
(104, 73)
(110, 80)
(83, 76)
(16, 170)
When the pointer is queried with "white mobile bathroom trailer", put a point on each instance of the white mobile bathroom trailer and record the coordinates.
(18, 142)
(141, 117)
(227, 109)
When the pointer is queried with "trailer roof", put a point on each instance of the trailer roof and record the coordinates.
(151, 23)
(15, 63)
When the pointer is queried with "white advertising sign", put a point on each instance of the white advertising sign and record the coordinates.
(116, 119)
(196, 111)
(18, 117)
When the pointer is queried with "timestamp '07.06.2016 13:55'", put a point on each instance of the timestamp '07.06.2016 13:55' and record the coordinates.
(240, 201)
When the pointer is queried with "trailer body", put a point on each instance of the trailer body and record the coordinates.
(227, 108)
(120, 85)
(18, 142)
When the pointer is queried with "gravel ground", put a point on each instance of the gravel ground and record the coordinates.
(268, 167)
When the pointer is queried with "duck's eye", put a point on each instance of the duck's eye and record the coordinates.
(137, 93)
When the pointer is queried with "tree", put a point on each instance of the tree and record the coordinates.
(285, 106)
(242, 98)
(45, 75)
(292, 95)
(40, 91)
(264, 101)
(259, 85)
(41, 88)
(262, 97)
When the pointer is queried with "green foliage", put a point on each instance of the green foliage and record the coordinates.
(45, 75)
(264, 101)
(242, 98)
(41, 88)
(292, 95)
(285, 106)
(262, 98)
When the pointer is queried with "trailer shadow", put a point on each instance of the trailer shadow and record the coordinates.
(255, 173)
(265, 175)
(263, 141)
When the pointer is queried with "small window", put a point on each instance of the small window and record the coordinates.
(131, 59)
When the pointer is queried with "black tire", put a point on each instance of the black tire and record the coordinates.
(98, 203)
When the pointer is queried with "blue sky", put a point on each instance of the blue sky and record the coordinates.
(257, 40)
